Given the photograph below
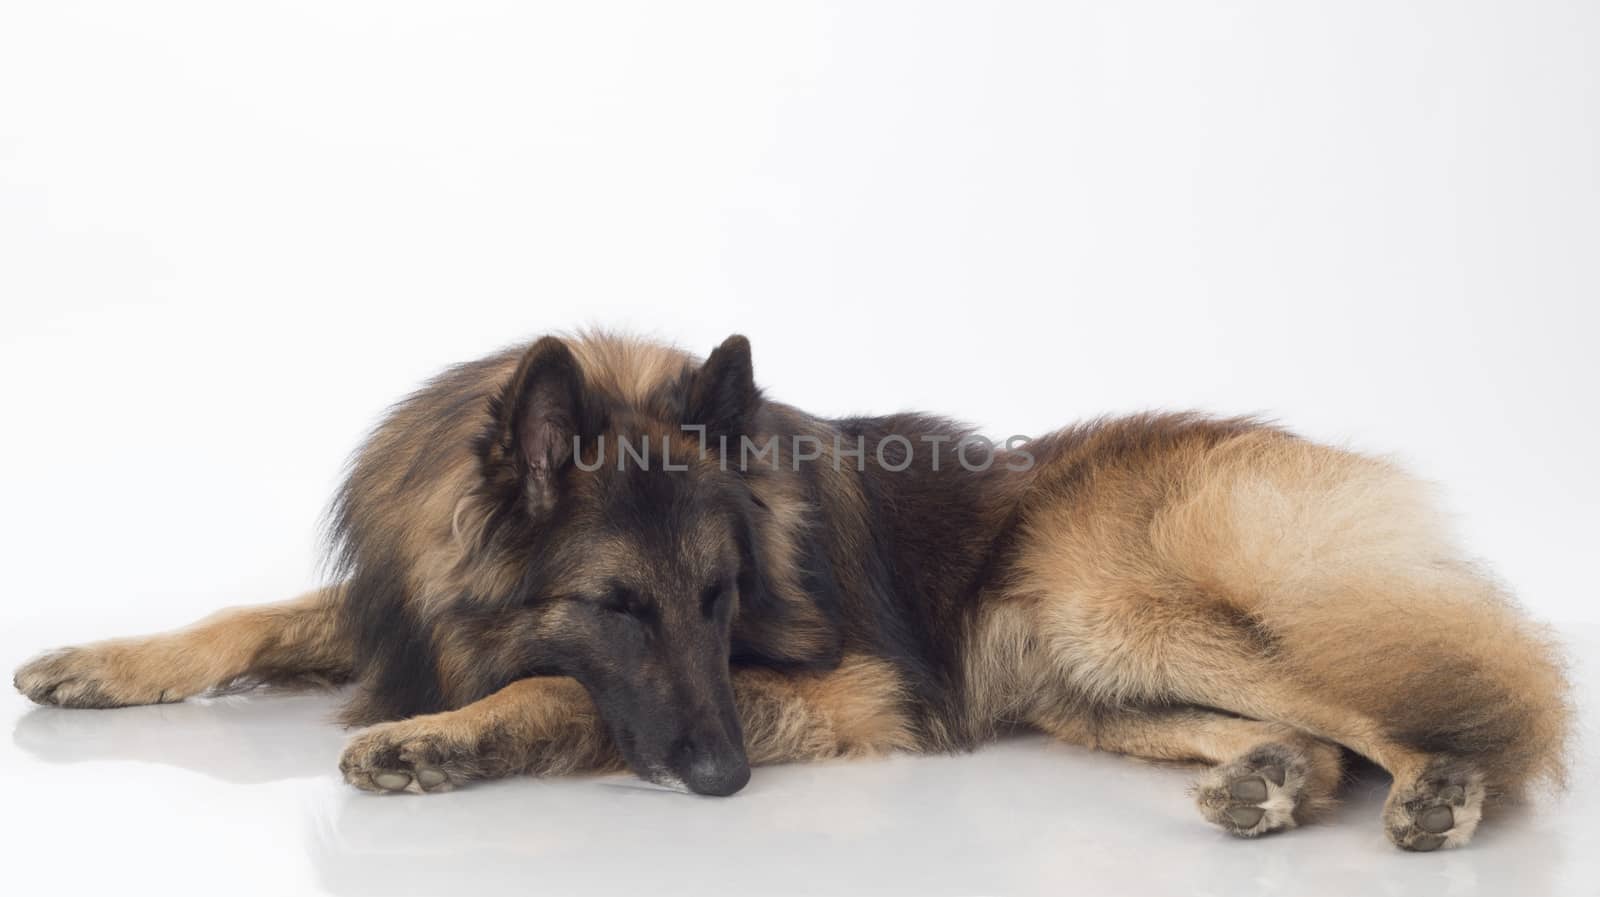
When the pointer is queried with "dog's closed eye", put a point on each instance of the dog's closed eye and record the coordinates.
(628, 602)
(714, 597)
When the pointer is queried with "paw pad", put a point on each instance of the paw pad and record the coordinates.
(408, 757)
(392, 781)
(1255, 794)
(1251, 789)
(1436, 819)
(1246, 817)
(1440, 809)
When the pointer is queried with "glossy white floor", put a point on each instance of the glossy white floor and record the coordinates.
(240, 795)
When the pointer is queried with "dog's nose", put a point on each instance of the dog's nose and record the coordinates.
(717, 776)
(712, 763)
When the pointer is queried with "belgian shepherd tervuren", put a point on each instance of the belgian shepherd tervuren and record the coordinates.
(597, 552)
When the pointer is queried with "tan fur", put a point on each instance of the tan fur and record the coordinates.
(278, 643)
(626, 367)
(855, 710)
(1345, 561)
(1271, 578)
(542, 726)
(1236, 748)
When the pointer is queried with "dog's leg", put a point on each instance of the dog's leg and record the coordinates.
(295, 641)
(856, 710)
(1279, 580)
(539, 726)
(549, 726)
(1437, 799)
(1264, 776)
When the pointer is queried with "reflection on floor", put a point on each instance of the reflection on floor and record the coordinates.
(243, 790)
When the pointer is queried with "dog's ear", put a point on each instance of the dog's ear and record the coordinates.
(722, 393)
(538, 418)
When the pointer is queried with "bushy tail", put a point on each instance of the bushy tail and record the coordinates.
(1345, 561)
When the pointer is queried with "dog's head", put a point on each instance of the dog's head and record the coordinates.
(640, 552)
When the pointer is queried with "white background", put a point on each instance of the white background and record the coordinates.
(231, 234)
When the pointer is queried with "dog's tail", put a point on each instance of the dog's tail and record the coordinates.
(1344, 561)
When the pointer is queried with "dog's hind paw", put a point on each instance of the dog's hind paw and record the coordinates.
(407, 756)
(1264, 791)
(1440, 809)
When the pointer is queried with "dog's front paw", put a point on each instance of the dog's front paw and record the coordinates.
(409, 756)
(91, 676)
